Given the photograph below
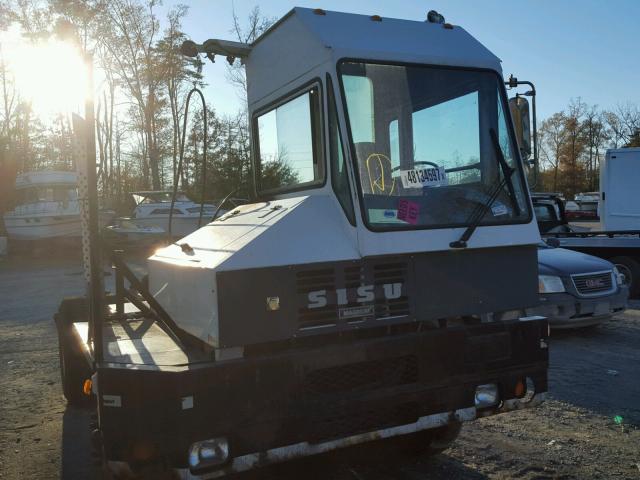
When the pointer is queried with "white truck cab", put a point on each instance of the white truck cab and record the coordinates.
(373, 138)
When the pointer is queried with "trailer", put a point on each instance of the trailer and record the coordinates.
(370, 292)
(619, 176)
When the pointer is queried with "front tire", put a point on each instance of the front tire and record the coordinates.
(631, 270)
(442, 438)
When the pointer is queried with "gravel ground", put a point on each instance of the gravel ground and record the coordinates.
(594, 376)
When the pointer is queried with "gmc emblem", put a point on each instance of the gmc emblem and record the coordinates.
(594, 283)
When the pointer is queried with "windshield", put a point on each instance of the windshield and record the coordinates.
(423, 144)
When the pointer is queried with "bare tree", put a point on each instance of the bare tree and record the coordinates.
(595, 136)
(179, 73)
(255, 26)
(128, 35)
(552, 137)
(9, 98)
(615, 128)
(629, 115)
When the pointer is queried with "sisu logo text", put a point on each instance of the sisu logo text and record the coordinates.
(361, 294)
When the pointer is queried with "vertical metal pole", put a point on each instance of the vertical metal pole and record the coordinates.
(96, 290)
(119, 285)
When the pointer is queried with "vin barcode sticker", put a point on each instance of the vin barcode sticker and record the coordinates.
(424, 177)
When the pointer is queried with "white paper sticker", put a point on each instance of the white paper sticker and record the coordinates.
(187, 403)
(424, 177)
(380, 215)
(112, 400)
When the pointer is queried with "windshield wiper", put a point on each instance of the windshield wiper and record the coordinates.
(478, 213)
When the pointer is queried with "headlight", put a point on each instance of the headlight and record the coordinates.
(208, 454)
(620, 278)
(486, 395)
(550, 284)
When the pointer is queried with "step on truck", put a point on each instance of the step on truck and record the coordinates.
(369, 294)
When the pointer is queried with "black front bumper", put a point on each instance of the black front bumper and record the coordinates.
(315, 394)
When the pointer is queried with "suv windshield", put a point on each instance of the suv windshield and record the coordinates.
(422, 138)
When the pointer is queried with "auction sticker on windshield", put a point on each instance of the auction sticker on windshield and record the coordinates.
(424, 177)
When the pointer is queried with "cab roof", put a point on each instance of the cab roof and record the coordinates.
(306, 38)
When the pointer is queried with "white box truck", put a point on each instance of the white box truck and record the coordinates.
(619, 180)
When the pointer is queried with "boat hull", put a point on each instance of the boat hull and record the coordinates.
(180, 226)
(39, 227)
(43, 226)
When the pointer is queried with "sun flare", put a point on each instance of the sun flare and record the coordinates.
(50, 75)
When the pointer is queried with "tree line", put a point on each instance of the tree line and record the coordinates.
(573, 141)
(140, 110)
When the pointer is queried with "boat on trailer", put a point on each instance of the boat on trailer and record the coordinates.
(153, 207)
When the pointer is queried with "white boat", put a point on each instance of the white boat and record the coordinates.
(127, 232)
(46, 207)
(153, 207)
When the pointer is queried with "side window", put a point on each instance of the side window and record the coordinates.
(289, 152)
(339, 174)
(165, 211)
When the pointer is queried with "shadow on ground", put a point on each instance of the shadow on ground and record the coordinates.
(597, 368)
(333, 466)
(76, 462)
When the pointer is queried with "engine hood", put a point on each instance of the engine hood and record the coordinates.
(563, 262)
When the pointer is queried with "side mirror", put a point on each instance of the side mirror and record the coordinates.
(519, 107)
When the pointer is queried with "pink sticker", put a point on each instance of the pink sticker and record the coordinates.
(408, 211)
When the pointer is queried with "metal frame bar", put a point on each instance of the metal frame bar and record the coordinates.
(154, 307)
(96, 293)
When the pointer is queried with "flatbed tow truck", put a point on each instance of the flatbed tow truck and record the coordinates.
(620, 247)
(369, 294)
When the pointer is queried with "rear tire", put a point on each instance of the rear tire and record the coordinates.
(74, 370)
(630, 268)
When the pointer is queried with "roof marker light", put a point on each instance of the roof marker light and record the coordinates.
(434, 17)
(319, 11)
(376, 18)
(448, 26)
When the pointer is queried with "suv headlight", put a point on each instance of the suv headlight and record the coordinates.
(550, 284)
(620, 277)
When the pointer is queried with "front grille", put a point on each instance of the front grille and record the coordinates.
(361, 376)
(315, 280)
(339, 289)
(591, 284)
(391, 273)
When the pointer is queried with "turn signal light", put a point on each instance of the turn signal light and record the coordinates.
(86, 387)
(520, 389)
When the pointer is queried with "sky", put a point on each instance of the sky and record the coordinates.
(568, 48)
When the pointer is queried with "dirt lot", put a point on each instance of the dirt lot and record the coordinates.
(594, 377)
